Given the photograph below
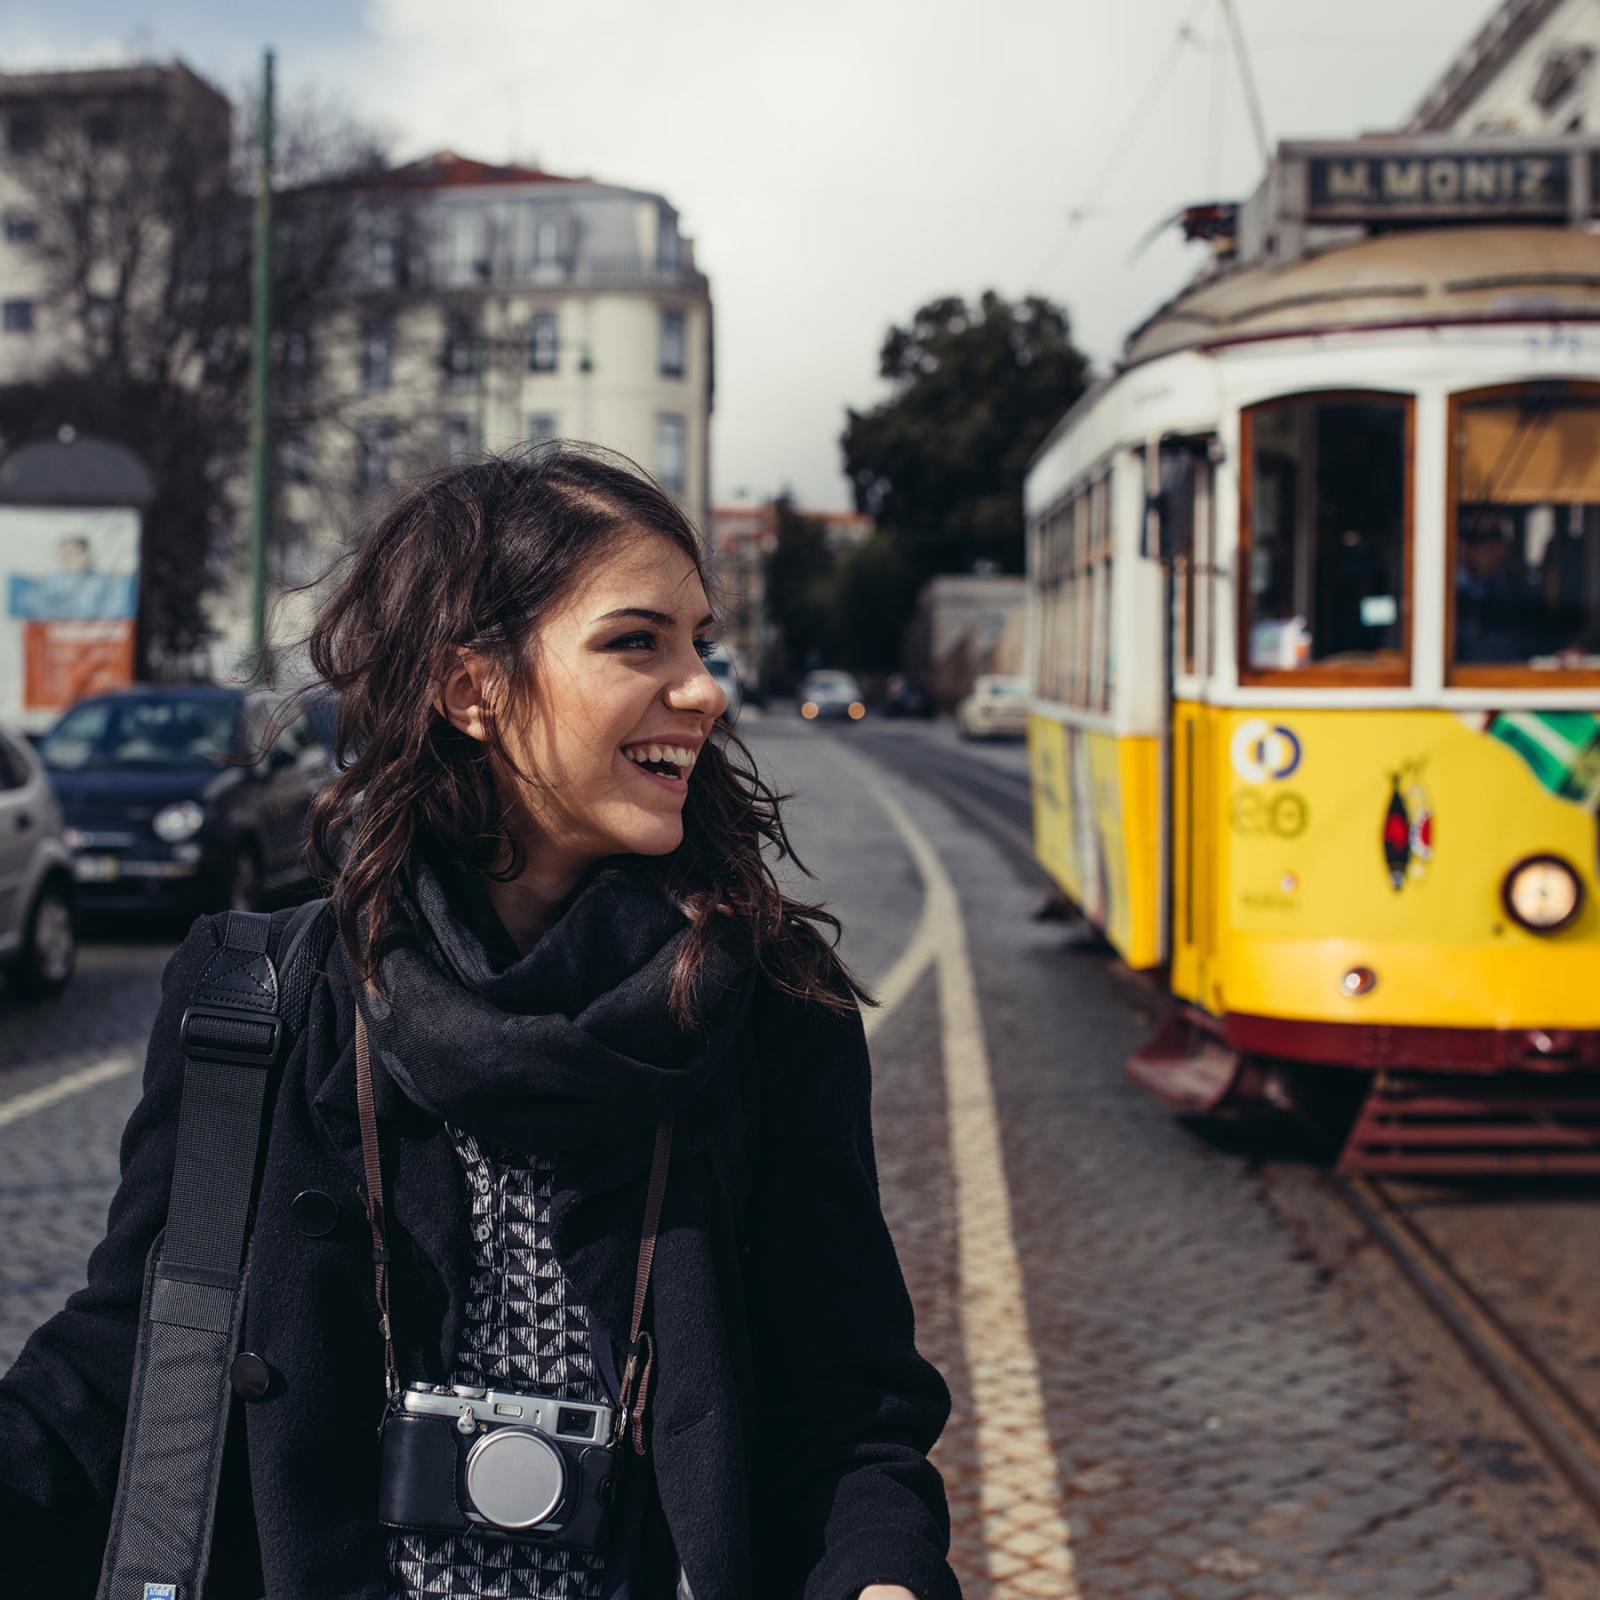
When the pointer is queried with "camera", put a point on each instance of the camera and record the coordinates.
(460, 1459)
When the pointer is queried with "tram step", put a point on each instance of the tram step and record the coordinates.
(1443, 1126)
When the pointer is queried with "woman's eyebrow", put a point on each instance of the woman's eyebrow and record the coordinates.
(661, 619)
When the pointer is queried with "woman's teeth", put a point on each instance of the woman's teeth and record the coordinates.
(656, 755)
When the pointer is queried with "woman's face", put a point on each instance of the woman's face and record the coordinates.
(621, 705)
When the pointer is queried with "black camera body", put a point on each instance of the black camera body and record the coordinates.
(461, 1459)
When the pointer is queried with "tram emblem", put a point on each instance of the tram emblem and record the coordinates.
(1263, 750)
(1407, 827)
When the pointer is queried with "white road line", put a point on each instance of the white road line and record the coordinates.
(24, 1105)
(1027, 1541)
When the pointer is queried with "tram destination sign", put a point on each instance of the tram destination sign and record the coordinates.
(1529, 183)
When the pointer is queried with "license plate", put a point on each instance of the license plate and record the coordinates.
(97, 869)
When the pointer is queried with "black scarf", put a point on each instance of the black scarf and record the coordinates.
(568, 1047)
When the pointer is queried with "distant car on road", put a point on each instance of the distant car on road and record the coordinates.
(828, 695)
(906, 697)
(163, 807)
(997, 708)
(38, 943)
(721, 665)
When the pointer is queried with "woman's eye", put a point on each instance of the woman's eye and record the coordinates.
(705, 648)
(635, 641)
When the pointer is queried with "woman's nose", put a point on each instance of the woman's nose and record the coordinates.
(699, 692)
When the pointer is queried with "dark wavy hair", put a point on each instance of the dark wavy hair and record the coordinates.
(473, 558)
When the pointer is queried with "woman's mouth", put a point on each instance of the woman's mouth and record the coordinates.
(669, 764)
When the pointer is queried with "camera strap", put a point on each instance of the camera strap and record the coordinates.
(641, 1347)
(186, 1368)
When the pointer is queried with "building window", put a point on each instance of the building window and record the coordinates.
(671, 451)
(294, 457)
(1525, 534)
(542, 341)
(542, 427)
(290, 554)
(459, 358)
(374, 453)
(295, 354)
(17, 316)
(547, 253)
(458, 437)
(105, 128)
(377, 356)
(672, 344)
(24, 133)
(1325, 538)
(467, 247)
(21, 228)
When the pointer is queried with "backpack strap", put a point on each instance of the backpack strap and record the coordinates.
(233, 1038)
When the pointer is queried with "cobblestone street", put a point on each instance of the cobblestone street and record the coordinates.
(1194, 1385)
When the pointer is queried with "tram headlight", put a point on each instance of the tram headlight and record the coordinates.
(1542, 894)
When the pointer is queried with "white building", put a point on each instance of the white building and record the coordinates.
(486, 307)
(1530, 69)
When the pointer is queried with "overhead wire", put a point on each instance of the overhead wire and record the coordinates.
(1181, 40)
(1248, 79)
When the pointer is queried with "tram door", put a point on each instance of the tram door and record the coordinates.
(1188, 548)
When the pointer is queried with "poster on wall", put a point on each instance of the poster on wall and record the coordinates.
(70, 578)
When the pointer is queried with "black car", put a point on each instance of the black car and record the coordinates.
(163, 807)
(906, 697)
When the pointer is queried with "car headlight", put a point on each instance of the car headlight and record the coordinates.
(809, 710)
(179, 821)
(857, 711)
(1542, 894)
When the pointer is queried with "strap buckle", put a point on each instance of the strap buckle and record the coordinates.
(218, 1033)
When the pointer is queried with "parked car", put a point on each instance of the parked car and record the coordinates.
(829, 694)
(38, 942)
(997, 708)
(721, 665)
(905, 696)
(164, 806)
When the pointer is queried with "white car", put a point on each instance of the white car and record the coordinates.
(997, 708)
(38, 940)
(720, 664)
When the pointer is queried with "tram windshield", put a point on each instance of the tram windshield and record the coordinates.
(1526, 491)
(1325, 532)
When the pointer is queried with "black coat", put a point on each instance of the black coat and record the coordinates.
(807, 1474)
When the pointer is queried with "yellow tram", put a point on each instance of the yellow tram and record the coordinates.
(1314, 624)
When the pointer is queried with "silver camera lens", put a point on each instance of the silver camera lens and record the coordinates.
(515, 1478)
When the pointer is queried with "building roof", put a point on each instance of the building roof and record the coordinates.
(1506, 31)
(444, 169)
(142, 77)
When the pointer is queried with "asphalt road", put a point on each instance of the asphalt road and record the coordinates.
(1177, 1373)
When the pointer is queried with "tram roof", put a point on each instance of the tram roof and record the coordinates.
(1417, 276)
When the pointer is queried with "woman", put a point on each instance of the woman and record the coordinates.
(559, 931)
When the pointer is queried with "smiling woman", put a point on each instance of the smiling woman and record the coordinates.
(569, 1279)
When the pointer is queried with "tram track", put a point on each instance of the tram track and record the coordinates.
(1564, 1428)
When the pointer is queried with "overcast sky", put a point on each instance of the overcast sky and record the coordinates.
(837, 162)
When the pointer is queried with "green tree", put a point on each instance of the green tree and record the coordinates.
(798, 574)
(940, 463)
(867, 605)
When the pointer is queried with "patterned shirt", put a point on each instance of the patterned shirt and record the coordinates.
(524, 1330)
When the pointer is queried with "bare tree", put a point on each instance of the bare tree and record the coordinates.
(144, 204)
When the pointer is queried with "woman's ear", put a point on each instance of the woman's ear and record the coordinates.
(462, 701)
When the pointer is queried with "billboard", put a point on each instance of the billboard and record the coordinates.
(69, 582)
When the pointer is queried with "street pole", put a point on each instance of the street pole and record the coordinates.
(260, 350)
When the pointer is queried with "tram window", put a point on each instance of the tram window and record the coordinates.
(1100, 555)
(1525, 484)
(1325, 535)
